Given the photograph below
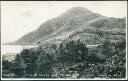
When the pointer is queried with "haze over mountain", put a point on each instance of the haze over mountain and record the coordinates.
(77, 22)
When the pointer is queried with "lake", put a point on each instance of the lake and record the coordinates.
(9, 51)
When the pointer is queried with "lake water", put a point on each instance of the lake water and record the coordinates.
(9, 51)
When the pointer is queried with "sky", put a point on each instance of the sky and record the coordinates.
(21, 17)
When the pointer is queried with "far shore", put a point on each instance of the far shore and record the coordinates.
(18, 44)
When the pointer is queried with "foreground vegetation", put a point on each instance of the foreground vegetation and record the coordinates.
(72, 59)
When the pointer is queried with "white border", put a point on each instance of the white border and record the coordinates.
(70, 79)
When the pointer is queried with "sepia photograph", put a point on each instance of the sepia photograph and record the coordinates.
(63, 40)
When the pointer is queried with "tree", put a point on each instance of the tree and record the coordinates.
(30, 57)
(45, 63)
(18, 66)
(107, 49)
(25, 55)
(6, 65)
(73, 51)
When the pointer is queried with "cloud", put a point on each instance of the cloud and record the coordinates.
(26, 14)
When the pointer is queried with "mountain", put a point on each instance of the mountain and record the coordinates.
(77, 22)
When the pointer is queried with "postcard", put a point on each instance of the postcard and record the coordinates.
(64, 40)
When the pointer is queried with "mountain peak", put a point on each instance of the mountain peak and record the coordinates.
(79, 9)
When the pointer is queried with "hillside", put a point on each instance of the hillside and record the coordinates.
(87, 24)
